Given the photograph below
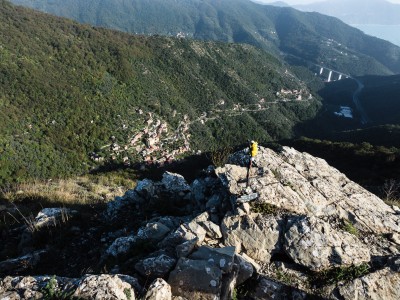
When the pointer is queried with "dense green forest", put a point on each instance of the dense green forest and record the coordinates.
(301, 37)
(67, 88)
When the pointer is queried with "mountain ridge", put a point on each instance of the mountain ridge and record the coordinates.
(255, 24)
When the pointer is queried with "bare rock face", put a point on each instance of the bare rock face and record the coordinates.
(383, 284)
(50, 217)
(270, 289)
(28, 287)
(175, 182)
(104, 287)
(233, 177)
(156, 266)
(257, 235)
(277, 234)
(209, 273)
(303, 184)
(313, 243)
(159, 290)
(89, 287)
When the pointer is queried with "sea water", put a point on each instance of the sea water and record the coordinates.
(390, 33)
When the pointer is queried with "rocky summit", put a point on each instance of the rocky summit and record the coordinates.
(291, 227)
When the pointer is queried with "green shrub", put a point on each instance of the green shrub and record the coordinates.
(349, 227)
(219, 157)
(52, 292)
(264, 208)
(336, 275)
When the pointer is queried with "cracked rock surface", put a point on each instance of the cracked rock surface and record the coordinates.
(299, 229)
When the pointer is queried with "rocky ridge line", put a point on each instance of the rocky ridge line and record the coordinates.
(298, 222)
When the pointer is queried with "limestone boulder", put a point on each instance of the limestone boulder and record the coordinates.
(233, 177)
(307, 185)
(256, 235)
(267, 288)
(51, 217)
(155, 266)
(192, 278)
(159, 289)
(382, 284)
(153, 232)
(246, 269)
(145, 188)
(193, 230)
(121, 246)
(209, 273)
(314, 244)
(104, 287)
(175, 182)
(186, 248)
(30, 287)
(131, 199)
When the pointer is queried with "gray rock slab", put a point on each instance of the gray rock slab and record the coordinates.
(303, 184)
(175, 182)
(159, 289)
(246, 269)
(223, 258)
(256, 235)
(157, 266)
(104, 286)
(194, 277)
(51, 217)
(270, 289)
(121, 246)
(383, 284)
(152, 232)
(314, 244)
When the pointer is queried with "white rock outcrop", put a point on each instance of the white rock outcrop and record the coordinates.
(104, 286)
(295, 223)
(314, 244)
(306, 185)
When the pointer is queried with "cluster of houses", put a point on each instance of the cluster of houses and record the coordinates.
(293, 94)
(154, 143)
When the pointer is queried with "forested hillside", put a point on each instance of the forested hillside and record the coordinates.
(301, 37)
(380, 98)
(69, 90)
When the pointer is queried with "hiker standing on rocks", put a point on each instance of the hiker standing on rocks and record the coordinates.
(253, 150)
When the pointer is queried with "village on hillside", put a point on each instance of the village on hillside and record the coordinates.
(152, 141)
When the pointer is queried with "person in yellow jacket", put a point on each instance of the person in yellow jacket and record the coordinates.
(253, 149)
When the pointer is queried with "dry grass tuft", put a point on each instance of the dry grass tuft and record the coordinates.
(81, 190)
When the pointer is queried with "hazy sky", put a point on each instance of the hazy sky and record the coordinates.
(291, 2)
